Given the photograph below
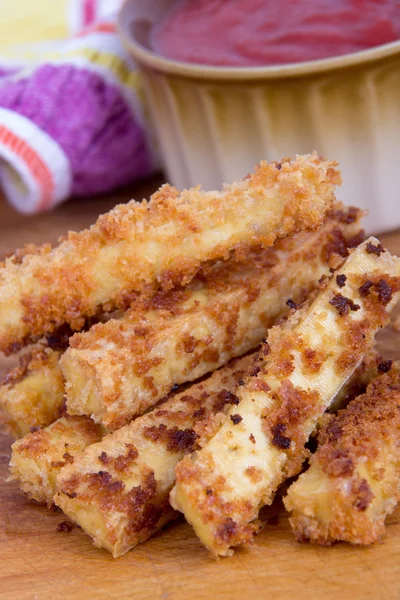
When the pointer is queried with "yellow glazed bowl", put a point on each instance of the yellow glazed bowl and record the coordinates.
(215, 123)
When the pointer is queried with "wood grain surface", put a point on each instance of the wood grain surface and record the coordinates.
(38, 563)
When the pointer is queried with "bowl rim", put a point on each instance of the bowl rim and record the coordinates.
(193, 70)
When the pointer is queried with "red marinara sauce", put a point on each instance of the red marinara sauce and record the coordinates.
(253, 33)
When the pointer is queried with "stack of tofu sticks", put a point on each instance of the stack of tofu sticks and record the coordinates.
(184, 351)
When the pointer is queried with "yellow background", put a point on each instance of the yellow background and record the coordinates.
(25, 21)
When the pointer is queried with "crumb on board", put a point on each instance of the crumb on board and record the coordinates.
(65, 526)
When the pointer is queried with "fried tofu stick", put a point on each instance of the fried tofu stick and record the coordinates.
(157, 244)
(353, 482)
(117, 370)
(366, 371)
(306, 361)
(32, 394)
(117, 490)
(37, 458)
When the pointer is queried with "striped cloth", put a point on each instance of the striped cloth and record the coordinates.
(72, 117)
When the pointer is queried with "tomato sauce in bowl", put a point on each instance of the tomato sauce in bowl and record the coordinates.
(253, 33)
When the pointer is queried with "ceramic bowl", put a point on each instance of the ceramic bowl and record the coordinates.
(215, 123)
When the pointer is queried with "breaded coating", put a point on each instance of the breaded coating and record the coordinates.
(157, 244)
(117, 490)
(32, 394)
(117, 370)
(306, 361)
(366, 371)
(37, 458)
(353, 482)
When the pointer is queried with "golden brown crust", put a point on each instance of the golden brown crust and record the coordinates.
(121, 479)
(46, 352)
(356, 431)
(356, 466)
(371, 365)
(32, 360)
(124, 252)
(295, 404)
(38, 457)
(18, 255)
(180, 335)
(32, 394)
(304, 363)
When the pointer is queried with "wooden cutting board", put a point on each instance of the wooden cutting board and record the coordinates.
(38, 563)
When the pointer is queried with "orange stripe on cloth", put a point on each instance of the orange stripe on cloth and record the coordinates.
(40, 171)
(98, 28)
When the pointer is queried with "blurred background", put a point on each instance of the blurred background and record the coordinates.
(101, 100)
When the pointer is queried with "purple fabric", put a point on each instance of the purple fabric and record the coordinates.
(90, 120)
(4, 72)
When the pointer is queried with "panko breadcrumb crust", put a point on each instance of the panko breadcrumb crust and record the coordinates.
(181, 284)
(366, 371)
(117, 370)
(32, 394)
(222, 487)
(37, 458)
(117, 490)
(355, 472)
(157, 244)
